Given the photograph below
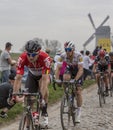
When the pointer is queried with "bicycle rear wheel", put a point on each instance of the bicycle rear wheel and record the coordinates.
(25, 120)
(67, 118)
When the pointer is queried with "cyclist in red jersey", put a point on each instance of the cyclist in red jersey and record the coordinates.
(38, 63)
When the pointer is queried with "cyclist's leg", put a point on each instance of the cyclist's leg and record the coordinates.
(44, 82)
(57, 71)
(79, 100)
(97, 78)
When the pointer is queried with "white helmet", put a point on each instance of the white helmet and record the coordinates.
(69, 44)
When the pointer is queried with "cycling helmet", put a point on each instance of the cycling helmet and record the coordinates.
(111, 54)
(69, 44)
(32, 46)
(102, 53)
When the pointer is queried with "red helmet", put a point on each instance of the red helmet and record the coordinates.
(102, 53)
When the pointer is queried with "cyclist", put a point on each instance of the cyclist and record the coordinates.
(6, 102)
(73, 70)
(111, 63)
(102, 64)
(38, 63)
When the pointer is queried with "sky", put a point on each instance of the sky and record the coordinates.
(62, 20)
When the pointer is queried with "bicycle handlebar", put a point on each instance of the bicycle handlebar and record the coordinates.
(25, 94)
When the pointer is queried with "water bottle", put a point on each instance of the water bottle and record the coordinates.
(36, 118)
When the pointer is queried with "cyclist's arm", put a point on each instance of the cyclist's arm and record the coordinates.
(17, 83)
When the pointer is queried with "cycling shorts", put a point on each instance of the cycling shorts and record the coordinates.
(32, 83)
(73, 70)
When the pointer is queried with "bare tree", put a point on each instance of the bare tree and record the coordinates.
(53, 45)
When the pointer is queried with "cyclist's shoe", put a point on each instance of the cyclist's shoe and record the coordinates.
(44, 123)
(77, 119)
(106, 93)
(77, 116)
(3, 115)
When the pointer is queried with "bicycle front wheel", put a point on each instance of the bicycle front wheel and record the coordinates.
(67, 120)
(101, 93)
(111, 87)
(26, 121)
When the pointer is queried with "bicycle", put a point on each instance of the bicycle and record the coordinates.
(101, 90)
(27, 118)
(111, 83)
(68, 108)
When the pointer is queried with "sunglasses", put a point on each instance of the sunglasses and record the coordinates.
(68, 49)
(32, 54)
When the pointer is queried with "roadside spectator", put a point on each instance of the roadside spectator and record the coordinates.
(86, 64)
(6, 62)
(6, 101)
(57, 58)
(95, 52)
(13, 69)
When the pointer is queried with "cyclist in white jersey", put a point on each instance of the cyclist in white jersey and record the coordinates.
(72, 68)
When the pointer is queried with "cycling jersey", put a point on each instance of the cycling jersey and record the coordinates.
(41, 66)
(77, 59)
(102, 65)
(70, 66)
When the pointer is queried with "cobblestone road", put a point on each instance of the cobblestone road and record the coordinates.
(93, 117)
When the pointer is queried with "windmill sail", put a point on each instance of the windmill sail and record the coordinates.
(89, 15)
(89, 39)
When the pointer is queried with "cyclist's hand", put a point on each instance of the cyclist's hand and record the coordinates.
(73, 81)
(11, 101)
(20, 99)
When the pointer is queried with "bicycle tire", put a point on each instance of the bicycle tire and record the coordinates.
(23, 121)
(111, 87)
(74, 110)
(66, 115)
(101, 93)
(37, 127)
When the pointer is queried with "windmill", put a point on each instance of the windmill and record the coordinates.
(102, 34)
